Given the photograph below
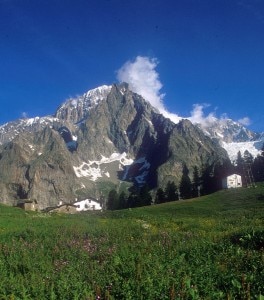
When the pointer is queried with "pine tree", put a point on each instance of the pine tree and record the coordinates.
(102, 201)
(160, 196)
(221, 171)
(144, 196)
(112, 202)
(248, 157)
(133, 198)
(171, 191)
(239, 163)
(248, 175)
(185, 184)
(258, 166)
(207, 180)
(196, 183)
(122, 200)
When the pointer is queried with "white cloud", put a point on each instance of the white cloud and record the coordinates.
(245, 121)
(143, 79)
(198, 117)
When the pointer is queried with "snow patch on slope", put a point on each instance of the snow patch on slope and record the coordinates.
(93, 169)
(139, 165)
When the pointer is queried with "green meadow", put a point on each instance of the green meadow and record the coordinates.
(205, 248)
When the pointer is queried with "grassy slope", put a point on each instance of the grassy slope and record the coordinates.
(206, 248)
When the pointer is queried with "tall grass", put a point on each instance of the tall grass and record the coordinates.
(205, 248)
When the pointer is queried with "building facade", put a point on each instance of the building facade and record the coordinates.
(232, 181)
(88, 204)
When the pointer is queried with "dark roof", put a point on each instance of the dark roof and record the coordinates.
(23, 201)
(88, 198)
(47, 209)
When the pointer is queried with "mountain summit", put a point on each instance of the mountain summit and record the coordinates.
(233, 137)
(107, 137)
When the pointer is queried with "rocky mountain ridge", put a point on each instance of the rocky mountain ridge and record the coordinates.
(229, 131)
(233, 137)
(108, 137)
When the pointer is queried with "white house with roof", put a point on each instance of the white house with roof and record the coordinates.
(232, 181)
(87, 204)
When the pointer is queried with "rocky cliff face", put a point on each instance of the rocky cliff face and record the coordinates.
(108, 136)
(37, 166)
(189, 146)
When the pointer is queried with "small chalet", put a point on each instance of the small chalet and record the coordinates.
(232, 181)
(88, 204)
(27, 204)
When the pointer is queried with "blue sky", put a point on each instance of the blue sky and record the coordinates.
(204, 52)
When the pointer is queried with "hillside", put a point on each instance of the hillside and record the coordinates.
(205, 248)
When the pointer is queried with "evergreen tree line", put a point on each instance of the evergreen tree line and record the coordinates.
(142, 196)
(136, 198)
(204, 181)
(248, 162)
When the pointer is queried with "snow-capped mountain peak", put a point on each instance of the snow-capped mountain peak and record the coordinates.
(233, 137)
(228, 131)
(107, 136)
(76, 109)
(98, 94)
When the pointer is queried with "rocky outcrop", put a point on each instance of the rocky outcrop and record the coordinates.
(188, 146)
(37, 166)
